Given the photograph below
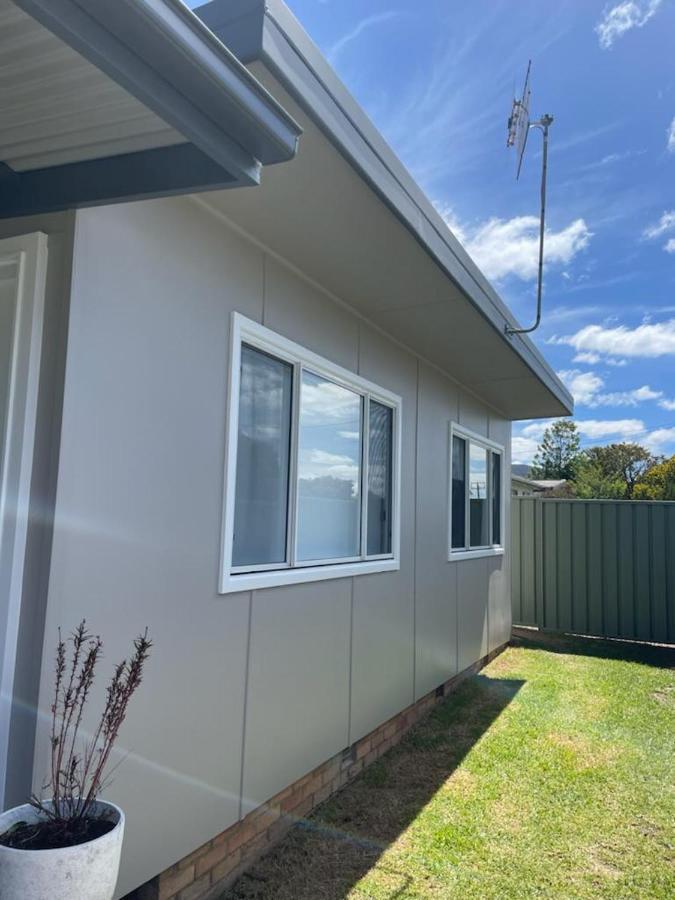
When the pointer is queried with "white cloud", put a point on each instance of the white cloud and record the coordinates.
(667, 404)
(665, 223)
(502, 247)
(321, 464)
(358, 30)
(590, 358)
(671, 136)
(647, 340)
(583, 386)
(349, 435)
(592, 428)
(586, 388)
(660, 440)
(523, 449)
(627, 398)
(623, 17)
(617, 428)
(524, 445)
(325, 401)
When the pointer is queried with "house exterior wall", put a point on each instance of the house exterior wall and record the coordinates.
(247, 692)
(59, 228)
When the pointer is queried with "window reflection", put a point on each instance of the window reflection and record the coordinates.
(329, 470)
(380, 431)
(478, 496)
(263, 453)
(458, 492)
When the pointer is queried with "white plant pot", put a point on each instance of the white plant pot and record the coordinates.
(83, 872)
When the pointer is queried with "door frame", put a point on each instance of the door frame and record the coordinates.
(30, 251)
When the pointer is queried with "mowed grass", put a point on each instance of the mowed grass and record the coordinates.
(550, 774)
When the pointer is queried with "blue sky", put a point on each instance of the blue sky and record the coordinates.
(437, 77)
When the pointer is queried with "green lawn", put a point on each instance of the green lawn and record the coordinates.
(550, 774)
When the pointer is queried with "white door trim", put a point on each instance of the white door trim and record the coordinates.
(30, 252)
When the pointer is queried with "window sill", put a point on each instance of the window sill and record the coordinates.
(458, 555)
(255, 581)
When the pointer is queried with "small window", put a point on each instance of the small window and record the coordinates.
(312, 482)
(380, 477)
(475, 495)
(458, 500)
(261, 506)
(496, 498)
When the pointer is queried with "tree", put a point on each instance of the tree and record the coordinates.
(658, 483)
(591, 482)
(559, 452)
(614, 470)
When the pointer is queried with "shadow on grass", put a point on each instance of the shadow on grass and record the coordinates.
(327, 854)
(603, 648)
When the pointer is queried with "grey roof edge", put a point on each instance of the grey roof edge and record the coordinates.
(165, 56)
(267, 31)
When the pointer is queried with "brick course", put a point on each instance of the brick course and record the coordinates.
(208, 871)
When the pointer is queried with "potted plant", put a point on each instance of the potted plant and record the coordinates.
(68, 846)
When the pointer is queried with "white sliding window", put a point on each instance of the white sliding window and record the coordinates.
(476, 502)
(313, 469)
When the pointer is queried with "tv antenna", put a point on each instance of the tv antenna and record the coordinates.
(519, 126)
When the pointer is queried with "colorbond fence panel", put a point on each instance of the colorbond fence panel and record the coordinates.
(600, 567)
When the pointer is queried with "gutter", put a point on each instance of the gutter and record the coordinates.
(163, 55)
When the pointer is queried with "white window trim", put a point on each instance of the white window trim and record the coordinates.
(244, 330)
(466, 434)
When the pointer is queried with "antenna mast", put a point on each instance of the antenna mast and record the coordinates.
(519, 126)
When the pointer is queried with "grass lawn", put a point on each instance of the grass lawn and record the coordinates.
(550, 774)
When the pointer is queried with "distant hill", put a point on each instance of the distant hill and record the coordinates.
(521, 469)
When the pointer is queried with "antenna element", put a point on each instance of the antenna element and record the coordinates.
(519, 126)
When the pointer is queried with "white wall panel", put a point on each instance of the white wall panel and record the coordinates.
(472, 610)
(499, 568)
(472, 414)
(383, 614)
(298, 684)
(139, 508)
(307, 316)
(435, 594)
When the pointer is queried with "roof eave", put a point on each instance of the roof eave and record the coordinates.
(162, 54)
(267, 32)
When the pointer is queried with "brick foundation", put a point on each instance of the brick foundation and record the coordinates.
(208, 871)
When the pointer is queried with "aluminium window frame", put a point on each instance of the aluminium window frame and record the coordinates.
(490, 549)
(291, 571)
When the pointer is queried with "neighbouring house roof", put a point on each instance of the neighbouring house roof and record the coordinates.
(538, 485)
(117, 99)
(350, 216)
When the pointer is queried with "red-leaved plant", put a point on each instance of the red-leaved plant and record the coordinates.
(77, 775)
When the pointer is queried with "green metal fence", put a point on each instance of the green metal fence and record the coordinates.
(600, 567)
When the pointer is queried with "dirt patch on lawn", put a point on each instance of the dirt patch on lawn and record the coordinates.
(587, 754)
(665, 696)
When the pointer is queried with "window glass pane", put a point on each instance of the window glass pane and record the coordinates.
(263, 453)
(478, 504)
(458, 492)
(329, 470)
(496, 498)
(380, 439)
